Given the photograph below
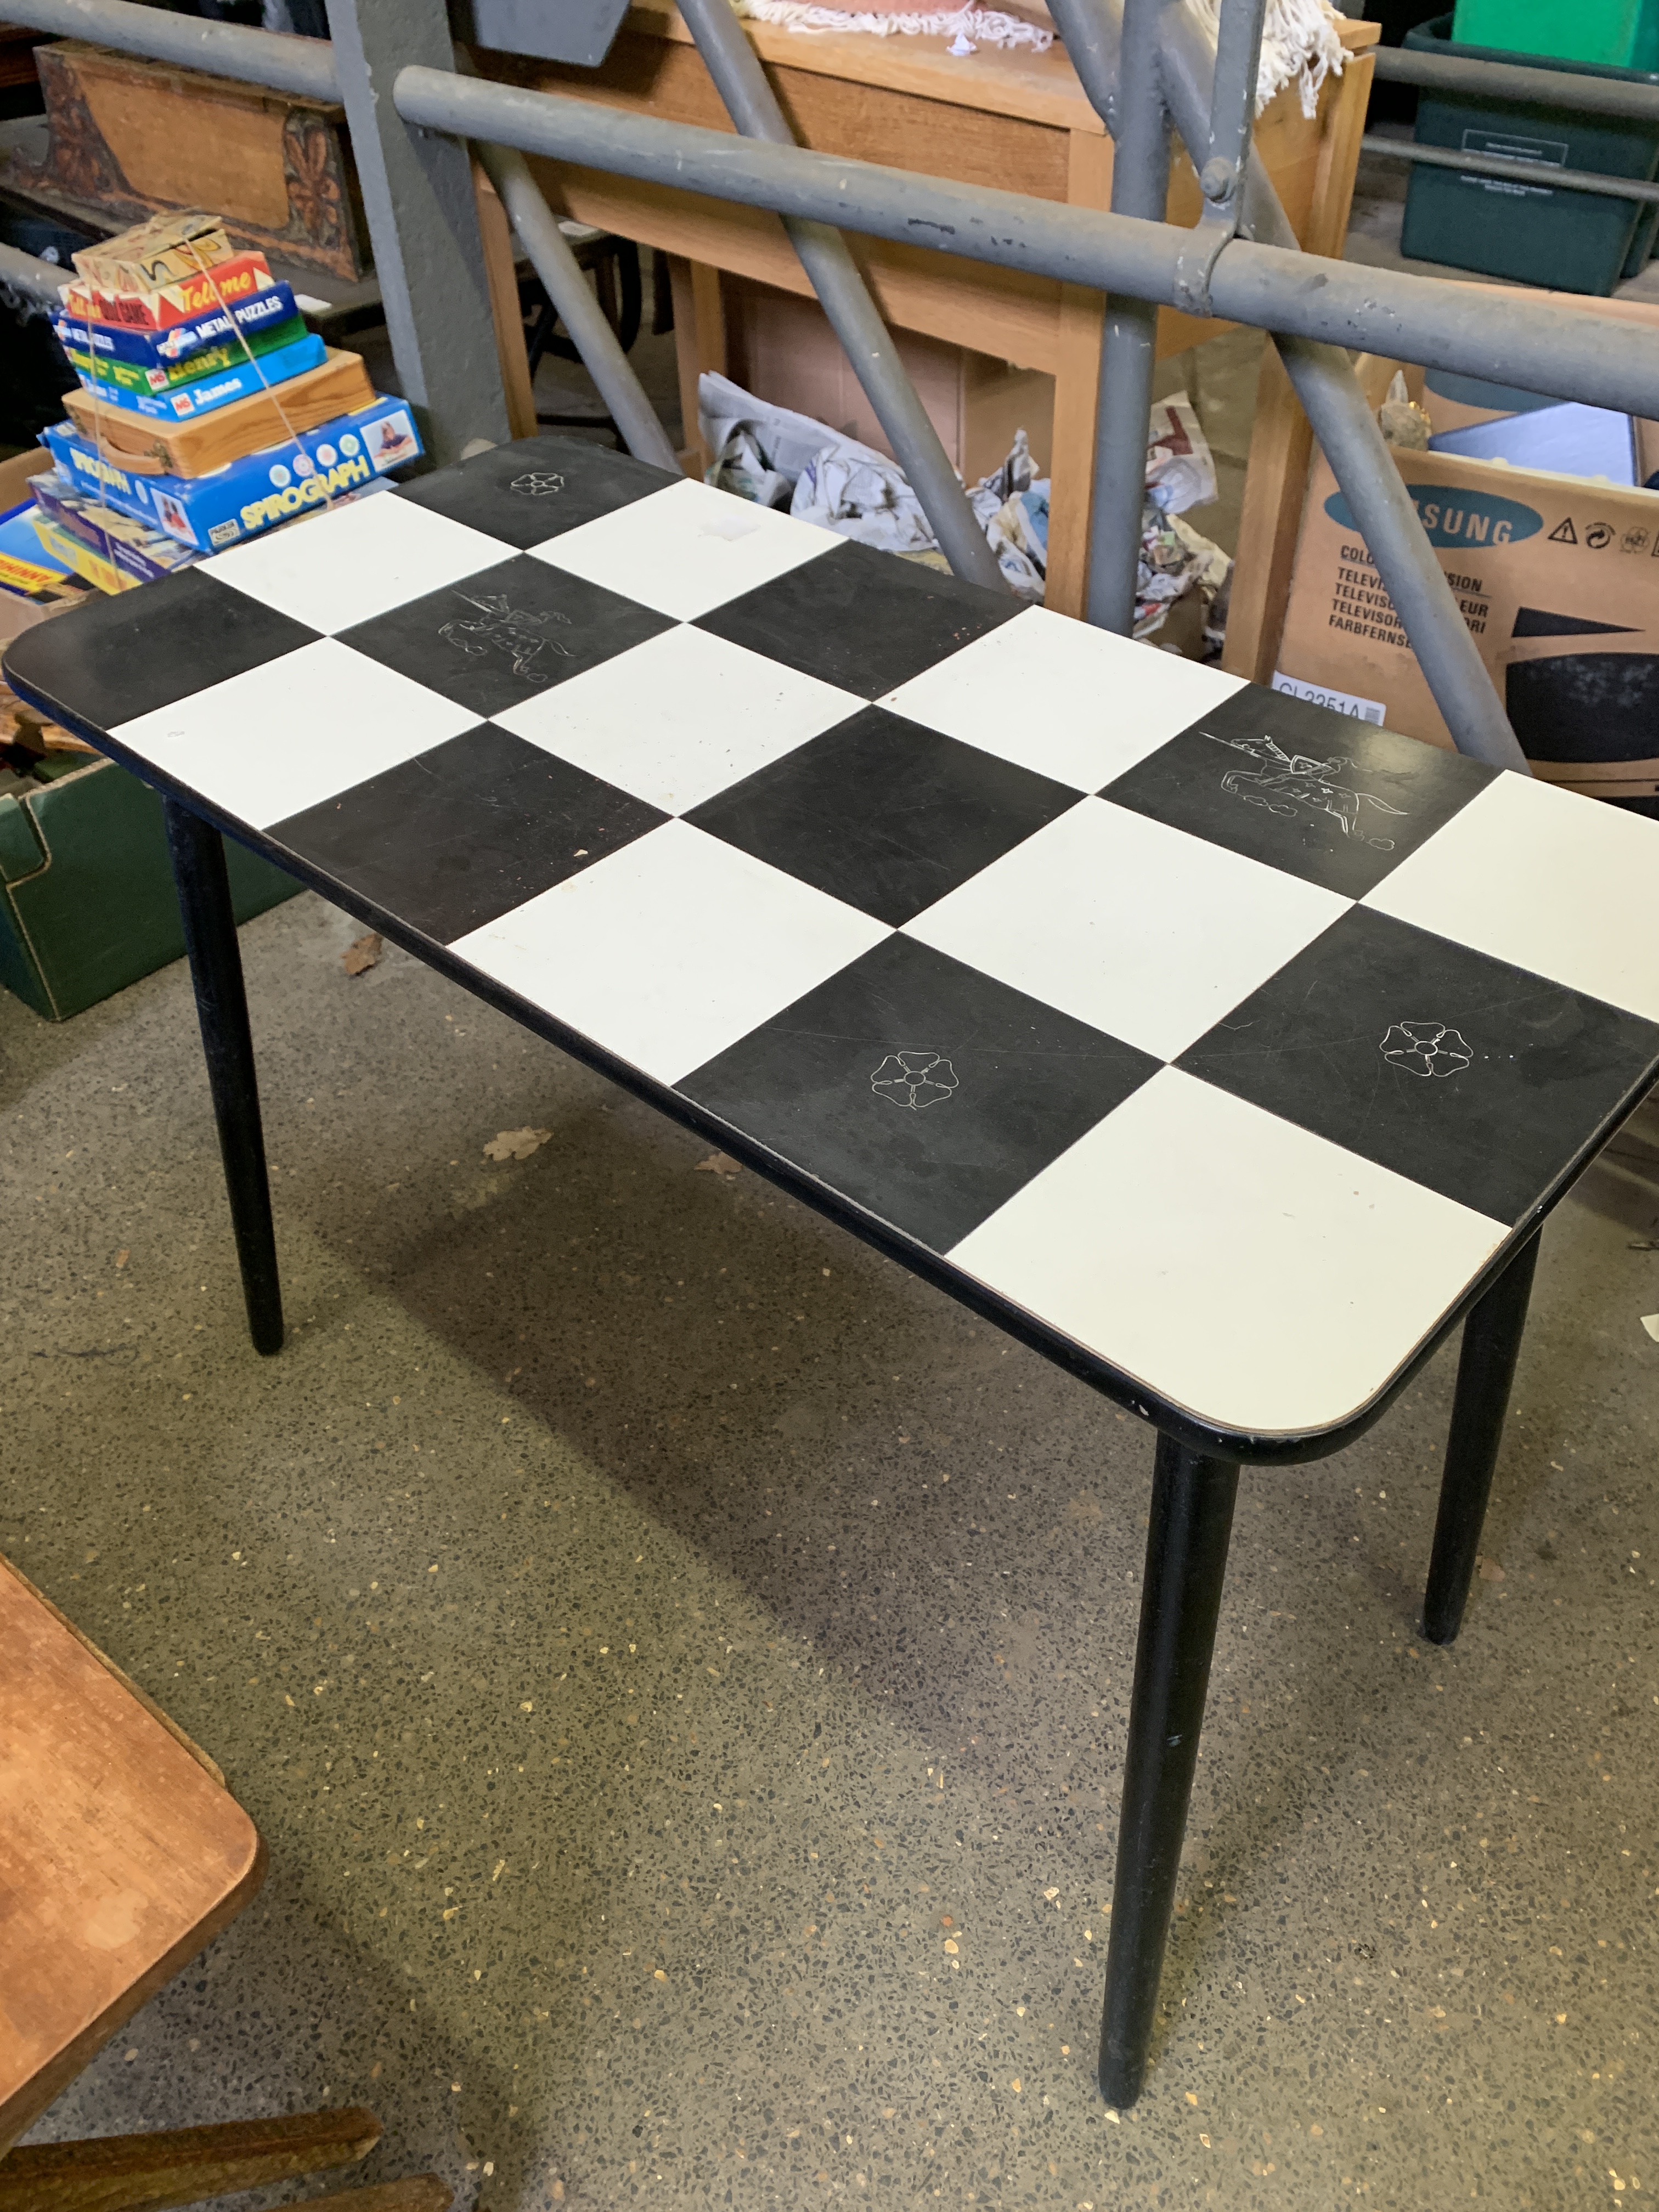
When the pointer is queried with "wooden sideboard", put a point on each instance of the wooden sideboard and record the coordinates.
(1012, 121)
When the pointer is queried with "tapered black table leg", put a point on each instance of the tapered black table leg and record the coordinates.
(1192, 1519)
(1492, 1343)
(215, 969)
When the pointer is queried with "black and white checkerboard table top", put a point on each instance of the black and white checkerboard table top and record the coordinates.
(1216, 1042)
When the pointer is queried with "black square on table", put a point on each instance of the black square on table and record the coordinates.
(1480, 1080)
(496, 639)
(459, 836)
(920, 1088)
(535, 489)
(884, 814)
(116, 658)
(864, 621)
(1324, 796)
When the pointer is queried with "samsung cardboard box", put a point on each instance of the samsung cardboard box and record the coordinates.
(1558, 578)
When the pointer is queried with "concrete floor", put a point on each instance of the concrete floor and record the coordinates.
(624, 1849)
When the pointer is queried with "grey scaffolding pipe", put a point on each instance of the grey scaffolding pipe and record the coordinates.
(825, 256)
(1514, 173)
(1199, 95)
(1312, 307)
(1635, 99)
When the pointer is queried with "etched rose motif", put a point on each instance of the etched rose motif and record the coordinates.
(914, 1080)
(1426, 1048)
(537, 483)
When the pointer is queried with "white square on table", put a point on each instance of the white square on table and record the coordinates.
(297, 730)
(681, 717)
(1261, 1277)
(335, 569)
(1138, 928)
(671, 949)
(1062, 698)
(1546, 879)
(687, 549)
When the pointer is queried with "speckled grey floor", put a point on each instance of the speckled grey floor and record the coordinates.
(680, 1665)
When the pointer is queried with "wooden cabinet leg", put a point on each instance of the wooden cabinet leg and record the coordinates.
(1072, 463)
(699, 344)
(1275, 488)
(501, 275)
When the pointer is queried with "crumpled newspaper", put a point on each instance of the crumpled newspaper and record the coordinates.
(1174, 560)
(1180, 466)
(1011, 507)
(863, 496)
(780, 458)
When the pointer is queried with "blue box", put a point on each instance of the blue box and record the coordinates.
(262, 310)
(183, 403)
(252, 493)
(135, 548)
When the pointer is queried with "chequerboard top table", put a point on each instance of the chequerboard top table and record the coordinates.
(1225, 1048)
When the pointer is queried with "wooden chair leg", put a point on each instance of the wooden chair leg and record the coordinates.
(185, 2165)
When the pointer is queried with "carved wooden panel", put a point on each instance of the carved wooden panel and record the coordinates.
(131, 138)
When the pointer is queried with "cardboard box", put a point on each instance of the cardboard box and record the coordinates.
(86, 902)
(1456, 403)
(1558, 577)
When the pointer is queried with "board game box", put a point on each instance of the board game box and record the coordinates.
(252, 493)
(260, 318)
(177, 303)
(239, 379)
(105, 546)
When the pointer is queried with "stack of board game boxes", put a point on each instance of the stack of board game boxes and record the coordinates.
(206, 411)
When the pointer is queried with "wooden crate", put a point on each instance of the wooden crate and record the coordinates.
(131, 138)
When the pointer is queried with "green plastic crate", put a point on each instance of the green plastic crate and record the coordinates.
(1618, 34)
(86, 902)
(1565, 241)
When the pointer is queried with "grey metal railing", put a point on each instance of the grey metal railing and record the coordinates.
(1516, 172)
(1633, 98)
(411, 113)
(825, 256)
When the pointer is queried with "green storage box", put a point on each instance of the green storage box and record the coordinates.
(1621, 33)
(1565, 241)
(86, 903)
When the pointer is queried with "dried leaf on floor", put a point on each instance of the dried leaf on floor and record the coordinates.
(516, 1144)
(1490, 1571)
(365, 953)
(718, 1163)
